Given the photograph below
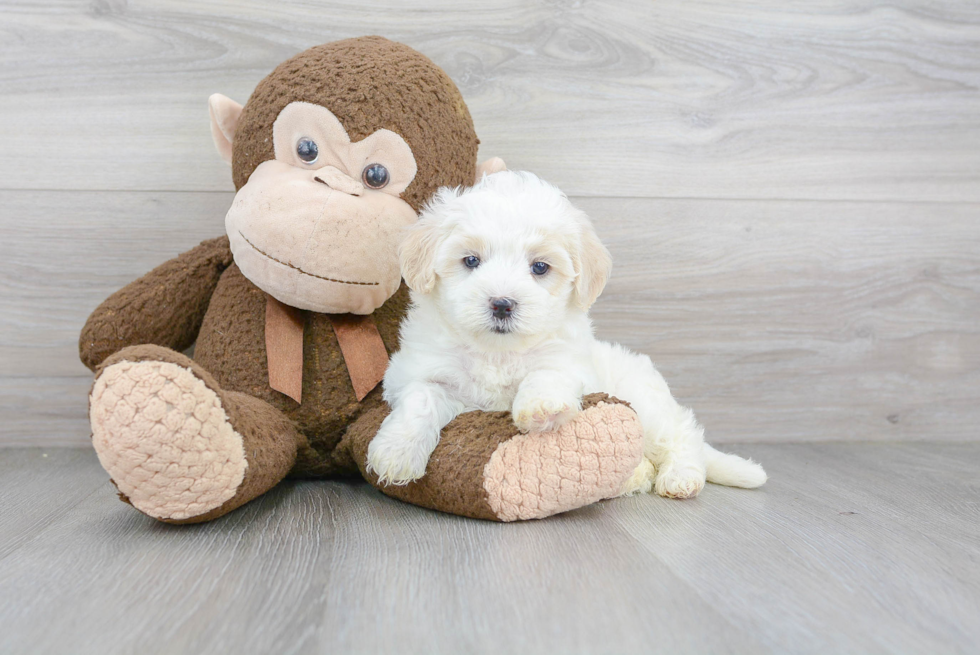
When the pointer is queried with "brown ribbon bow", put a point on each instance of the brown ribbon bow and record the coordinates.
(360, 343)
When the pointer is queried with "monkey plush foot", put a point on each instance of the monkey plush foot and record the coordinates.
(482, 467)
(588, 459)
(178, 448)
(165, 439)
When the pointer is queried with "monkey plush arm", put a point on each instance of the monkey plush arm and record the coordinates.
(165, 307)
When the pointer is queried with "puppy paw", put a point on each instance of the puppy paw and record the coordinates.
(641, 482)
(543, 414)
(397, 455)
(679, 481)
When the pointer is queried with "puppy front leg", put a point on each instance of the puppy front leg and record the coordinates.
(546, 400)
(399, 452)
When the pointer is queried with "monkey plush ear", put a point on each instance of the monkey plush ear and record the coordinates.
(489, 167)
(593, 263)
(225, 113)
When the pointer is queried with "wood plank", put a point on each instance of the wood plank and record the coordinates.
(64, 253)
(337, 567)
(774, 320)
(802, 321)
(39, 486)
(848, 547)
(48, 412)
(847, 99)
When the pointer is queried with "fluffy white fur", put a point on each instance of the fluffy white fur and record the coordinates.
(539, 361)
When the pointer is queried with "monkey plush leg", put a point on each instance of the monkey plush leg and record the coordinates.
(482, 467)
(178, 447)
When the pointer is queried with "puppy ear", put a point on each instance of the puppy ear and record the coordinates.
(417, 254)
(593, 263)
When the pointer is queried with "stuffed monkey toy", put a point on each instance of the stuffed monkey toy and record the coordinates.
(294, 311)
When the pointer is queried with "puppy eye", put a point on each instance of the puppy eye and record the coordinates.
(471, 262)
(307, 151)
(375, 176)
(539, 268)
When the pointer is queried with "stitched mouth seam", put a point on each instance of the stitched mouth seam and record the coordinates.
(297, 268)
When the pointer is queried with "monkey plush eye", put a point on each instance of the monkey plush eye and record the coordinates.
(375, 176)
(471, 262)
(306, 150)
(539, 268)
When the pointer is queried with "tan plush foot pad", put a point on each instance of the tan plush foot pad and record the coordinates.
(165, 439)
(529, 477)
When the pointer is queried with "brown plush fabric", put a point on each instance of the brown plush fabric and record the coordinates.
(133, 315)
(271, 442)
(594, 399)
(270, 439)
(231, 346)
(454, 479)
(397, 83)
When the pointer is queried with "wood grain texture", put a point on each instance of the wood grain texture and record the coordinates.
(40, 487)
(775, 320)
(337, 567)
(802, 321)
(849, 548)
(846, 99)
(63, 253)
(786, 320)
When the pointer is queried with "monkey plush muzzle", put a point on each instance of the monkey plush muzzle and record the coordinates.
(317, 239)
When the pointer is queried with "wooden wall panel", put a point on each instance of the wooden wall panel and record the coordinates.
(846, 99)
(788, 320)
(792, 194)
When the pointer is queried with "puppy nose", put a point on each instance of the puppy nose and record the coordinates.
(502, 307)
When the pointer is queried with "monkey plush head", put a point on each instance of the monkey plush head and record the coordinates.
(332, 156)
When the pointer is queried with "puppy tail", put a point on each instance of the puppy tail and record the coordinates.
(732, 470)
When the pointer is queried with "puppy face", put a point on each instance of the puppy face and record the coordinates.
(505, 261)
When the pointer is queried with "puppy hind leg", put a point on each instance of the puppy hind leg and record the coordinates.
(675, 448)
(673, 442)
(673, 438)
(641, 482)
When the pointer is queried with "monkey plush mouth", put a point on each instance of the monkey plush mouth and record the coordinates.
(299, 270)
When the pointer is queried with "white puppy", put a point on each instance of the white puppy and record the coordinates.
(502, 276)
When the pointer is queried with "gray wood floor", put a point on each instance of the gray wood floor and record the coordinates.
(849, 548)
